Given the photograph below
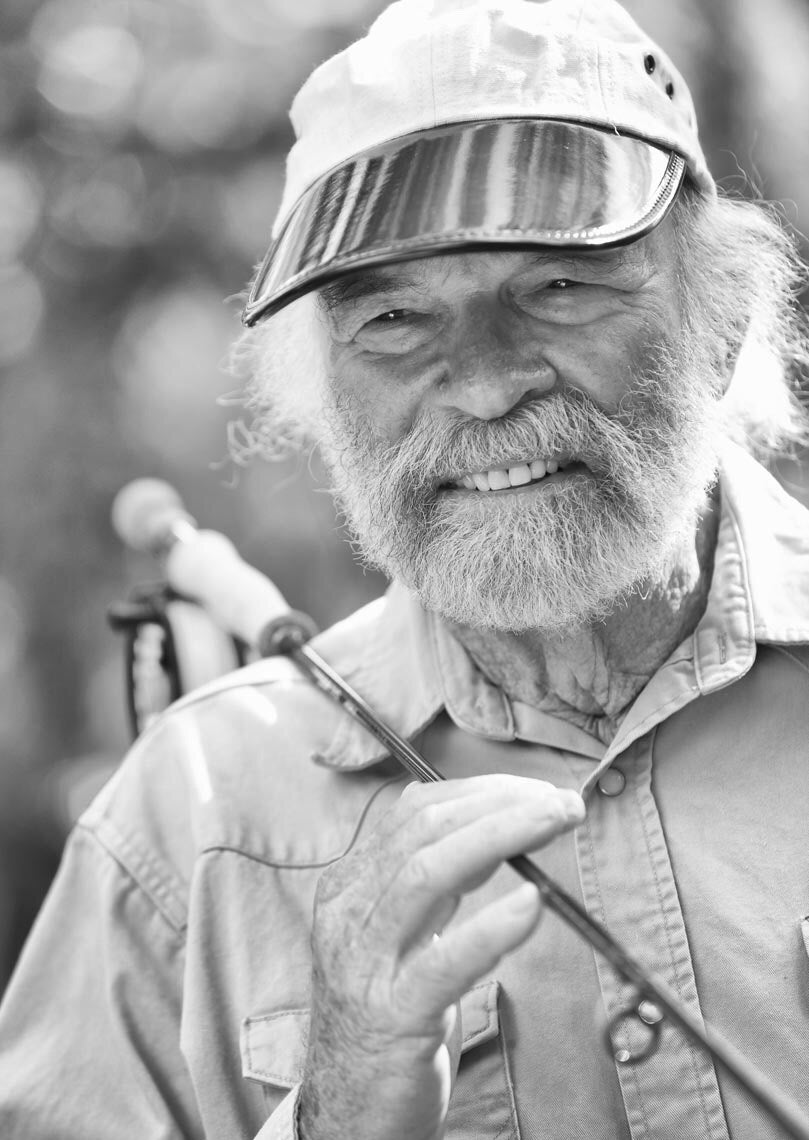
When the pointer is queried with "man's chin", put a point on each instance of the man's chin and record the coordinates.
(516, 582)
(460, 597)
(490, 614)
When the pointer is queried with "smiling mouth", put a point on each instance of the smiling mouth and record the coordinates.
(515, 476)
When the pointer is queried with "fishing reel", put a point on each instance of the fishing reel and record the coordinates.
(171, 646)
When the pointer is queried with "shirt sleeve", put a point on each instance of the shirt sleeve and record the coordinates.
(89, 1029)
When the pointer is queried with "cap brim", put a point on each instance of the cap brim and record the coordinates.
(508, 182)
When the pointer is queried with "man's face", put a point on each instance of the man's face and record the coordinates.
(522, 436)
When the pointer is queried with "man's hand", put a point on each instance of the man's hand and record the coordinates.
(383, 1047)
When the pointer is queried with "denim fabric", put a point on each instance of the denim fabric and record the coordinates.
(165, 989)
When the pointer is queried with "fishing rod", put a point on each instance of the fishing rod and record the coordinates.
(204, 568)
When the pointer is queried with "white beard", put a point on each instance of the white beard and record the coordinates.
(551, 559)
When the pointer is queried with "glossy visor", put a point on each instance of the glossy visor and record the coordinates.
(505, 182)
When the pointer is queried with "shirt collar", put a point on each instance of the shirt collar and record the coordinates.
(773, 540)
(409, 667)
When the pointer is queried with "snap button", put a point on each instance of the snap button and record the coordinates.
(612, 783)
(650, 63)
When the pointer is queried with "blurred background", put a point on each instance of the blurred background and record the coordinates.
(140, 170)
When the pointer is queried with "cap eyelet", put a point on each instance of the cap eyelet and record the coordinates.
(650, 63)
(670, 89)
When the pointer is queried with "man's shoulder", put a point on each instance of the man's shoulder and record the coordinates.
(268, 709)
(235, 766)
(345, 642)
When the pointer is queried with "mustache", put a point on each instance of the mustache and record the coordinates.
(439, 448)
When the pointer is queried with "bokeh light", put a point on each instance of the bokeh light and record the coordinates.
(20, 207)
(107, 208)
(21, 309)
(91, 71)
(201, 103)
(167, 359)
(249, 203)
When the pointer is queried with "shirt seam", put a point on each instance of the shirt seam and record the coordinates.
(267, 861)
(512, 1125)
(643, 812)
(639, 1094)
(648, 724)
(595, 880)
(212, 690)
(782, 649)
(791, 634)
(152, 892)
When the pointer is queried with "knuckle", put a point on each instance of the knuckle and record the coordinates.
(555, 810)
(429, 819)
(541, 811)
(420, 873)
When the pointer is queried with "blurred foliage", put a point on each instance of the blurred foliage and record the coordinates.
(141, 168)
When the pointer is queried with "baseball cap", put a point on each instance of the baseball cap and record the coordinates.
(466, 124)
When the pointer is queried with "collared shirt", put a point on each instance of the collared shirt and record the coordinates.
(165, 989)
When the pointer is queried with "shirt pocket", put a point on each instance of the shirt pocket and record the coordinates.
(273, 1051)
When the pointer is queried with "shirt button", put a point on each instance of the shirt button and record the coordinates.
(612, 783)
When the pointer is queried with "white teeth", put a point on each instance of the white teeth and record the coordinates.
(498, 480)
(520, 475)
(538, 469)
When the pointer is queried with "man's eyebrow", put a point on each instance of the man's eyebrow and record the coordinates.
(369, 283)
(609, 258)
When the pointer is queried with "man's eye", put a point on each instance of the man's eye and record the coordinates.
(391, 317)
(396, 330)
(562, 283)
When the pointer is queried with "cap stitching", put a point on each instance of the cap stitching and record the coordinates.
(610, 118)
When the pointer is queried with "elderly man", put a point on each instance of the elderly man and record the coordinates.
(539, 354)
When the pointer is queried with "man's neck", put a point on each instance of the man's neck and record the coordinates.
(592, 675)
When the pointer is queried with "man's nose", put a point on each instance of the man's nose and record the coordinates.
(495, 362)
